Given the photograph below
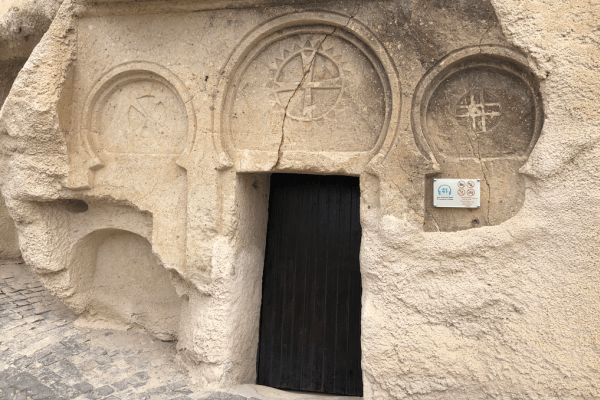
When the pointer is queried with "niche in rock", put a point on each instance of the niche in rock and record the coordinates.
(129, 286)
(138, 117)
(478, 114)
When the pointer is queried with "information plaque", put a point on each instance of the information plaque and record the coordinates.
(458, 193)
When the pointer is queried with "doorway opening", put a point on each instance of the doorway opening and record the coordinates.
(311, 301)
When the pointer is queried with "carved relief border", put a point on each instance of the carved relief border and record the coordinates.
(132, 72)
(342, 26)
(492, 57)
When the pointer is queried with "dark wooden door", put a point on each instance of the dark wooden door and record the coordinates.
(310, 316)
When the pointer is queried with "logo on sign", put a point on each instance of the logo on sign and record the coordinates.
(444, 190)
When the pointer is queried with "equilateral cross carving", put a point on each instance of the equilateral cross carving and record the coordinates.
(481, 107)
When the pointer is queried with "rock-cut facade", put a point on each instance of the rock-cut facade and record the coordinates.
(262, 182)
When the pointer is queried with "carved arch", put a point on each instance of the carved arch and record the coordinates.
(126, 73)
(490, 57)
(265, 34)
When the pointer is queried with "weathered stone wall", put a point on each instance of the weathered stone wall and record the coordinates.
(504, 310)
(22, 24)
(522, 293)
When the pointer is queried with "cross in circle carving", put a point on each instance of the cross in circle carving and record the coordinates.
(308, 84)
(477, 109)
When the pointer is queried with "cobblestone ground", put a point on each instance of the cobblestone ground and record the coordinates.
(44, 356)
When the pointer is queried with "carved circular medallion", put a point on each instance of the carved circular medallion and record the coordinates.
(309, 82)
(478, 103)
(138, 108)
(320, 87)
(141, 114)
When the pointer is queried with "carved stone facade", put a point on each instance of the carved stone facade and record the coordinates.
(140, 140)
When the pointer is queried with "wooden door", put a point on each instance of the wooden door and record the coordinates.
(310, 316)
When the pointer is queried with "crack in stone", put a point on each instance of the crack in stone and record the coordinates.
(304, 77)
(434, 220)
(405, 172)
(477, 153)
(484, 35)
(483, 168)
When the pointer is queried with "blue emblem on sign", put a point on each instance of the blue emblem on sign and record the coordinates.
(444, 190)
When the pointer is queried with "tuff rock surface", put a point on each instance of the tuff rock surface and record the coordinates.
(505, 307)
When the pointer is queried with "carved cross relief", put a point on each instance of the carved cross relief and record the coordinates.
(303, 76)
(143, 117)
(480, 109)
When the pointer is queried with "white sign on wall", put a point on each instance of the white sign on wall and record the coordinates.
(461, 193)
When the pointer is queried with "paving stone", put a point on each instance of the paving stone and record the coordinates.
(35, 389)
(83, 387)
(143, 376)
(23, 362)
(115, 355)
(224, 396)
(100, 392)
(139, 384)
(102, 359)
(66, 369)
(44, 310)
(48, 377)
(28, 313)
(8, 394)
(157, 390)
(139, 362)
(6, 375)
(32, 319)
(137, 396)
(13, 324)
(98, 351)
(121, 385)
(74, 348)
(65, 390)
(42, 353)
(177, 385)
(189, 391)
(88, 365)
(49, 360)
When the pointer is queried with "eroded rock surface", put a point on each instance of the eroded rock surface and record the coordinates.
(22, 24)
(152, 129)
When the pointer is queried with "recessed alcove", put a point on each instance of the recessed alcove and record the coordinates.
(126, 285)
(478, 114)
